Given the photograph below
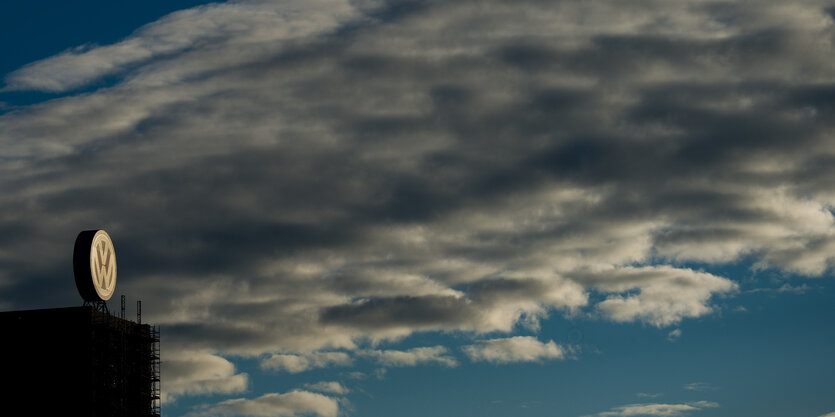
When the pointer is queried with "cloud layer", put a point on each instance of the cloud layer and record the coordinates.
(291, 404)
(514, 349)
(295, 363)
(300, 180)
(412, 357)
(214, 26)
(658, 409)
(192, 373)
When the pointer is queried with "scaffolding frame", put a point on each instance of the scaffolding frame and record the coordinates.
(126, 364)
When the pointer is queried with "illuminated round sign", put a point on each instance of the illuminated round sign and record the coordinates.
(94, 265)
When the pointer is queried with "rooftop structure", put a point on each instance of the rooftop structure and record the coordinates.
(79, 361)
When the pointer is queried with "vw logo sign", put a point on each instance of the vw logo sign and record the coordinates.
(94, 265)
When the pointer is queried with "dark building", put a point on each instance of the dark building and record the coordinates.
(78, 361)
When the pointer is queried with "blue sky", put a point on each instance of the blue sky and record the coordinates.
(385, 208)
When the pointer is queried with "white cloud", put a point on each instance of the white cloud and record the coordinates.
(233, 24)
(665, 294)
(699, 386)
(291, 404)
(356, 375)
(295, 363)
(191, 373)
(330, 387)
(785, 288)
(514, 349)
(832, 414)
(657, 409)
(436, 355)
(674, 335)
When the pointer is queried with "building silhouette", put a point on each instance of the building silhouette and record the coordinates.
(79, 361)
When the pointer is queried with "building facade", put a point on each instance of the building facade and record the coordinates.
(78, 361)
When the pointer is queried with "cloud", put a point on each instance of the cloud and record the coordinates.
(665, 294)
(514, 349)
(674, 335)
(295, 363)
(785, 288)
(290, 404)
(832, 414)
(699, 386)
(657, 409)
(302, 177)
(412, 357)
(193, 373)
(330, 387)
(492, 304)
(234, 24)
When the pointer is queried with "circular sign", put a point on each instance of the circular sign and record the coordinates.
(94, 265)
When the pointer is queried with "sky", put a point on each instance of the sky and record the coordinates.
(488, 208)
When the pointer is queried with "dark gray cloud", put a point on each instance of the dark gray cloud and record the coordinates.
(403, 311)
(306, 177)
